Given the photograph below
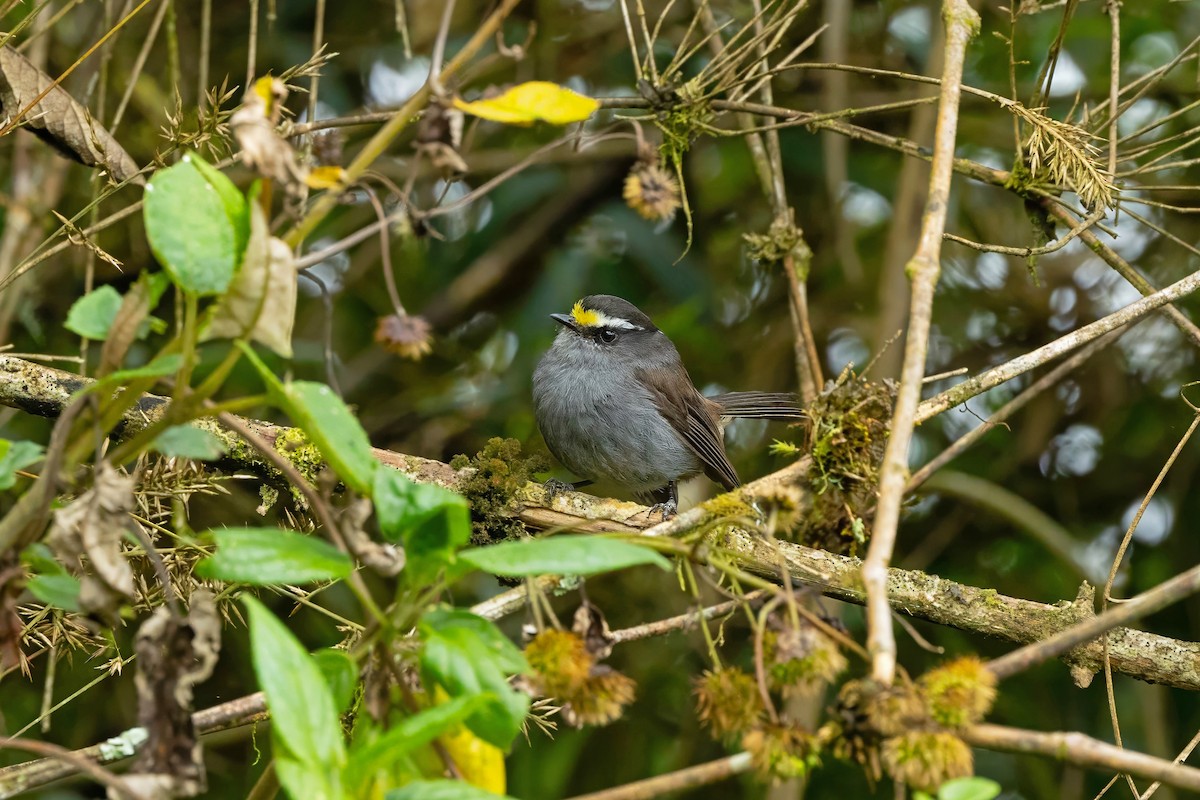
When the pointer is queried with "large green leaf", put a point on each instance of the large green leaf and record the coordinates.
(578, 554)
(467, 655)
(92, 315)
(195, 226)
(414, 732)
(431, 522)
(309, 752)
(442, 790)
(272, 556)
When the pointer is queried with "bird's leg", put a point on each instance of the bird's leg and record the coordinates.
(555, 487)
(669, 505)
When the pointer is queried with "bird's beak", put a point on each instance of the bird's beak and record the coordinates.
(566, 320)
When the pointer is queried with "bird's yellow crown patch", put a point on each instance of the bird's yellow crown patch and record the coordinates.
(584, 317)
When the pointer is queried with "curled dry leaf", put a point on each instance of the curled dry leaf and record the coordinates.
(591, 626)
(174, 655)
(253, 125)
(261, 301)
(90, 529)
(55, 117)
(386, 559)
(127, 325)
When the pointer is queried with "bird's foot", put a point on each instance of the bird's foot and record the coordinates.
(555, 487)
(668, 508)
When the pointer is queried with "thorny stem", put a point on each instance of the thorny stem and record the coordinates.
(962, 23)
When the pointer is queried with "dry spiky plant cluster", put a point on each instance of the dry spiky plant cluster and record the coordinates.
(163, 537)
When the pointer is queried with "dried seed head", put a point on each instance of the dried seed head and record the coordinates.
(801, 660)
(850, 733)
(560, 663)
(782, 506)
(926, 759)
(601, 698)
(781, 752)
(897, 709)
(959, 692)
(728, 702)
(651, 191)
(405, 335)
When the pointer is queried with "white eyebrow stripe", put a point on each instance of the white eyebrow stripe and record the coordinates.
(605, 321)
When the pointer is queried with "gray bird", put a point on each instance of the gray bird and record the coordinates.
(613, 400)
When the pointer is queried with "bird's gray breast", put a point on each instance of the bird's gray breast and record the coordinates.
(600, 422)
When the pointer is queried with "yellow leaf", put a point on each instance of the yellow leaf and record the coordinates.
(530, 102)
(324, 177)
(479, 763)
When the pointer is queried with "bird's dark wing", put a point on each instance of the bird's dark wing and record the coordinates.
(696, 420)
(760, 405)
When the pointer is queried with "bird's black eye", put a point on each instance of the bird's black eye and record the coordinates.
(608, 336)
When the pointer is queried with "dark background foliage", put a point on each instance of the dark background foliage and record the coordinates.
(488, 276)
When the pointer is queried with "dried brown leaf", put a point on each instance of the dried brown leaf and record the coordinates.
(590, 625)
(174, 655)
(263, 149)
(135, 308)
(90, 529)
(386, 559)
(261, 301)
(58, 119)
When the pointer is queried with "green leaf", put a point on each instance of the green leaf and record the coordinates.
(431, 522)
(577, 554)
(467, 655)
(234, 202)
(341, 673)
(40, 559)
(305, 728)
(185, 441)
(15, 456)
(59, 590)
(326, 420)
(195, 228)
(163, 365)
(444, 789)
(271, 556)
(414, 732)
(335, 431)
(969, 789)
(92, 315)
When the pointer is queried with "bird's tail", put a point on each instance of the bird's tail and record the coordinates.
(759, 405)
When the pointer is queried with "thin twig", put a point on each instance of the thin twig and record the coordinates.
(1082, 750)
(1065, 344)
(687, 778)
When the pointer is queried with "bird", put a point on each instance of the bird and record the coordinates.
(613, 400)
